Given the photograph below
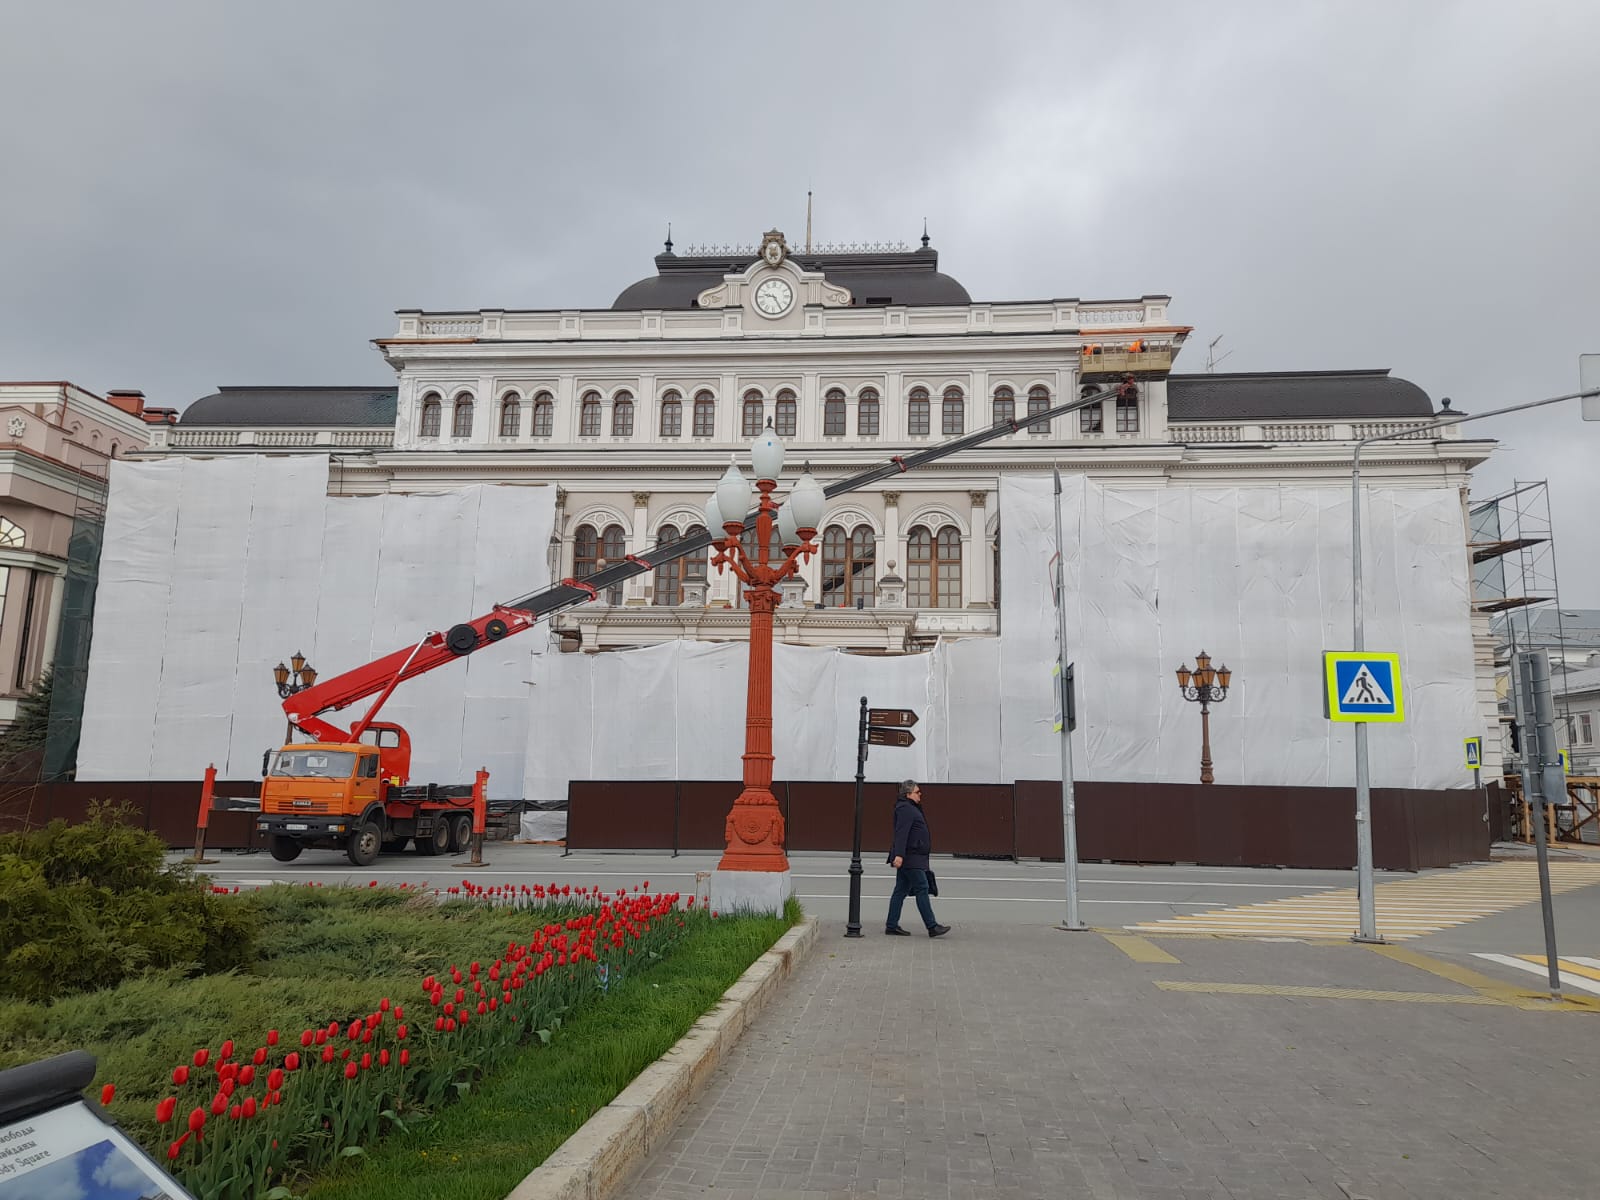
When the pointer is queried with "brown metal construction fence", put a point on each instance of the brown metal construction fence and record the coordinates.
(165, 807)
(1117, 822)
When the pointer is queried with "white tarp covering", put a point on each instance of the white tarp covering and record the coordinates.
(215, 570)
(1259, 576)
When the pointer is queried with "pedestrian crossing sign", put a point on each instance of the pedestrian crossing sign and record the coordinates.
(1474, 753)
(1362, 686)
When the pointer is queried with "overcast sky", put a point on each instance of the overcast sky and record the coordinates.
(210, 193)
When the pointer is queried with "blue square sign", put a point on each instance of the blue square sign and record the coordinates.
(1362, 686)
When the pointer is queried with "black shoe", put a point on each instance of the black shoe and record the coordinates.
(938, 930)
(896, 931)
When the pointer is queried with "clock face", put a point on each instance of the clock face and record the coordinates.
(773, 297)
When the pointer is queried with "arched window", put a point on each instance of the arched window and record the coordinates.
(933, 563)
(847, 575)
(589, 415)
(461, 423)
(705, 415)
(113, 449)
(431, 408)
(1127, 409)
(672, 578)
(671, 415)
(544, 415)
(510, 415)
(867, 413)
(94, 438)
(622, 415)
(11, 535)
(1092, 418)
(954, 413)
(787, 414)
(1038, 402)
(917, 417)
(833, 413)
(1005, 406)
(592, 549)
(671, 423)
(754, 409)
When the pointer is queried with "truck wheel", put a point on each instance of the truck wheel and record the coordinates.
(285, 849)
(364, 844)
(460, 833)
(437, 842)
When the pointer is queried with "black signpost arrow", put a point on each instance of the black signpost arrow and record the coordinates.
(878, 727)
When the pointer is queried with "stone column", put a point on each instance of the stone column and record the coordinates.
(638, 589)
(893, 546)
(980, 592)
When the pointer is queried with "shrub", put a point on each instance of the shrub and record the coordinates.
(85, 906)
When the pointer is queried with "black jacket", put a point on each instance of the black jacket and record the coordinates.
(912, 841)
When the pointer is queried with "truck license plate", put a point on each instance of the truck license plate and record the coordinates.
(295, 828)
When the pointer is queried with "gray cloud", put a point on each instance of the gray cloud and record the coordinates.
(200, 193)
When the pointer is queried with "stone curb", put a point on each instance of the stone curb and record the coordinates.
(599, 1157)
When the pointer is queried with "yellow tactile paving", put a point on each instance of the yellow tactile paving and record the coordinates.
(1406, 908)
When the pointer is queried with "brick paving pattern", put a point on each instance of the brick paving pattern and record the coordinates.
(1011, 1062)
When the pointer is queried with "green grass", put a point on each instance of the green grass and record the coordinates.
(481, 1148)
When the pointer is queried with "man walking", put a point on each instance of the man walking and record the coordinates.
(909, 857)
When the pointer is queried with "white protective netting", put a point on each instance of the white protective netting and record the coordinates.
(215, 570)
(1258, 576)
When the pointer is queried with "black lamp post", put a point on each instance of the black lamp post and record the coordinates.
(296, 677)
(1208, 685)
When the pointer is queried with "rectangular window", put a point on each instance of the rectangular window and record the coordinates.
(833, 418)
(589, 419)
(1585, 729)
(917, 419)
(1091, 419)
(867, 418)
(543, 419)
(705, 419)
(672, 419)
(1128, 416)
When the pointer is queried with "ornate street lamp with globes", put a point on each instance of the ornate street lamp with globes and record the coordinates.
(1208, 685)
(754, 870)
(296, 677)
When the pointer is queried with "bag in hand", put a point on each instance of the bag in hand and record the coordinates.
(933, 884)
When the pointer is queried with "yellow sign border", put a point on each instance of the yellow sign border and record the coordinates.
(1468, 742)
(1330, 686)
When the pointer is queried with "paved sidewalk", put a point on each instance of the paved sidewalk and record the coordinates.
(1019, 1061)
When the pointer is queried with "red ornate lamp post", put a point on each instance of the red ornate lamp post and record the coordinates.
(1209, 686)
(754, 830)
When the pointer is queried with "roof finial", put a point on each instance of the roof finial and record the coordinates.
(924, 233)
(669, 237)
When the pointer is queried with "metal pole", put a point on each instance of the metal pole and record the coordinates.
(1368, 930)
(1069, 807)
(853, 926)
(1206, 774)
(1550, 780)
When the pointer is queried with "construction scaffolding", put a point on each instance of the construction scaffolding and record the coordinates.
(1517, 585)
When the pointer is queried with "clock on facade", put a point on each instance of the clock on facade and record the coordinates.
(773, 297)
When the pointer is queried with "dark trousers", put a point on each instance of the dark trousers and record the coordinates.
(910, 881)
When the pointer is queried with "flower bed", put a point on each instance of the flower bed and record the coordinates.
(246, 1115)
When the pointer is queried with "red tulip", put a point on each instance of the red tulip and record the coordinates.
(260, 1056)
(366, 1062)
(344, 1054)
(483, 1009)
(373, 883)
(233, 1113)
(272, 1037)
(228, 1071)
(197, 1120)
(355, 1029)
(247, 1076)
(400, 1032)
(201, 1056)
(322, 1037)
(291, 1061)
(475, 968)
(350, 1070)
(227, 1049)
(327, 1054)
(227, 1087)
(399, 1013)
(180, 1076)
(106, 1093)
(165, 1109)
(219, 1104)
(383, 1005)
(438, 1024)
(307, 1038)
(383, 1058)
(405, 1058)
(366, 1036)
(274, 1079)
(176, 1147)
(249, 1106)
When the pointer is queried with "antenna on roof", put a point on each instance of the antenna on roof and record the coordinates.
(924, 233)
(1212, 359)
(808, 221)
(669, 237)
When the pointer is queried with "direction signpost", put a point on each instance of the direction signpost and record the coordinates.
(878, 727)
